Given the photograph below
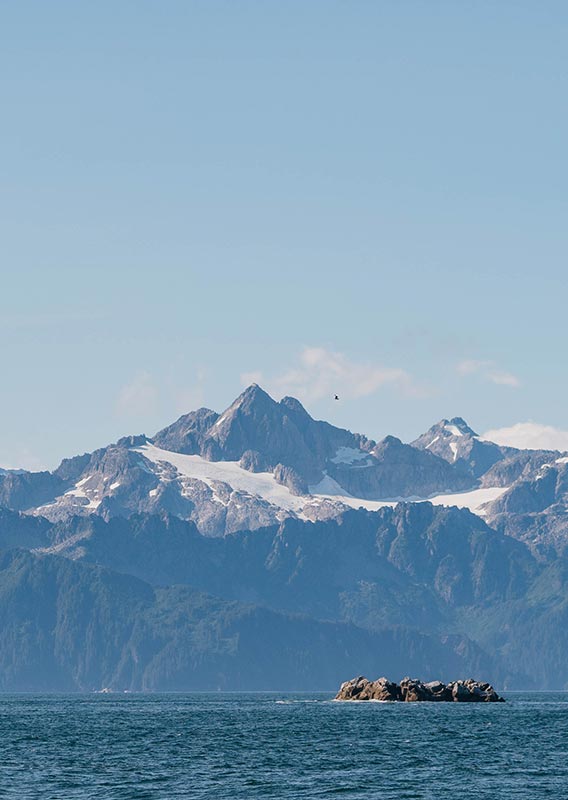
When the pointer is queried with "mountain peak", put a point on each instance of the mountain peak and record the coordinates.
(252, 395)
(461, 425)
(390, 441)
(448, 429)
(293, 405)
(252, 389)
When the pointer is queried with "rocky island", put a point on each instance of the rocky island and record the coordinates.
(411, 690)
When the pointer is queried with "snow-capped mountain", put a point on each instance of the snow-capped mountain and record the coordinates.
(221, 521)
(262, 461)
(455, 442)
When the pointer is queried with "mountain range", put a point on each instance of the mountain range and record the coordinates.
(262, 549)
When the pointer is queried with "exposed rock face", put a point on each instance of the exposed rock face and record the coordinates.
(20, 491)
(535, 508)
(537, 493)
(288, 476)
(188, 433)
(412, 690)
(518, 465)
(394, 469)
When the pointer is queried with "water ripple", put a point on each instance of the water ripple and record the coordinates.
(231, 746)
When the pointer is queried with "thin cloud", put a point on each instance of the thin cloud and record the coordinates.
(530, 436)
(139, 397)
(489, 371)
(320, 373)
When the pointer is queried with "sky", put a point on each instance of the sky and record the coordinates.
(363, 197)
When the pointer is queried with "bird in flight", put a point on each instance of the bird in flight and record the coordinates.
(336, 397)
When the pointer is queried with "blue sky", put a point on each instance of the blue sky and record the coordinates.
(361, 197)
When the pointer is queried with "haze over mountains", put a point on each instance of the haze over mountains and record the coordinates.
(260, 548)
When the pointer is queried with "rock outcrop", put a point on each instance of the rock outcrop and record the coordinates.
(412, 690)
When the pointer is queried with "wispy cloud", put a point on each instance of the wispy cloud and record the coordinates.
(530, 436)
(320, 373)
(489, 371)
(138, 397)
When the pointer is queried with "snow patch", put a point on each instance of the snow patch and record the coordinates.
(474, 500)
(79, 493)
(453, 429)
(348, 455)
(260, 484)
(545, 467)
(263, 485)
(454, 449)
(328, 488)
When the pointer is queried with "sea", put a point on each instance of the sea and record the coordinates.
(224, 746)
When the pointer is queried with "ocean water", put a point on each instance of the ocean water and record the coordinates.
(59, 747)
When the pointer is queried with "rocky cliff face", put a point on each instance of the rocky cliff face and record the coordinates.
(415, 559)
(22, 491)
(534, 510)
(536, 493)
